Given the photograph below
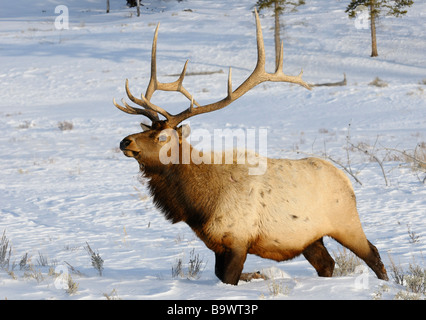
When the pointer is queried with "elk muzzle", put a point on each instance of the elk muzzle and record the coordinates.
(126, 147)
(124, 144)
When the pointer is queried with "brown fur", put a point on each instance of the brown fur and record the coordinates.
(278, 215)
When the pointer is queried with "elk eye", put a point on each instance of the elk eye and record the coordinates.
(162, 138)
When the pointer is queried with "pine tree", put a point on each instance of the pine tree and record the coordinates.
(280, 6)
(377, 8)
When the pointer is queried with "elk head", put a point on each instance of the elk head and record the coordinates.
(145, 147)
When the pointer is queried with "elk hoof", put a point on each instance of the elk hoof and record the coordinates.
(248, 276)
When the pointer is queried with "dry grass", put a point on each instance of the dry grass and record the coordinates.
(377, 82)
(413, 279)
(72, 286)
(97, 261)
(193, 269)
(5, 252)
(346, 262)
(65, 125)
(277, 287)
(113, 295)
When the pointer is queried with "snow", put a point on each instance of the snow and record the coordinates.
(63, 189)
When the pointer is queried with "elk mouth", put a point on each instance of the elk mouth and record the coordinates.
(130, 153)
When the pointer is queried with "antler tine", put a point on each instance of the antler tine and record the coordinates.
(230, 83)
(154, 84)
(280, 76)
(144, 102)
(177, 85)
(131, 110)
(261, 57)
(259, 74)
(281, 58)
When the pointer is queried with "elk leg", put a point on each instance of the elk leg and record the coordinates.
(374, 261)
(319, 258)
(229, 265)
(365, 250)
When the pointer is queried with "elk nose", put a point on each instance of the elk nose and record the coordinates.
(124, 144)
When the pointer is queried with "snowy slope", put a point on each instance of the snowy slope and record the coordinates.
(63, 189)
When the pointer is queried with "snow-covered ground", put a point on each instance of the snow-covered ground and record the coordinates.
(64, 189)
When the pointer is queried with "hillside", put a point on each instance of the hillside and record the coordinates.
(65, 184)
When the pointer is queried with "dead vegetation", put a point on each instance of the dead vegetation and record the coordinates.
(414, 159)
(65, 125)
(331, 84)
(346, 263)
(377, 82)
(41, 269)
(412, 279)
(190, 270)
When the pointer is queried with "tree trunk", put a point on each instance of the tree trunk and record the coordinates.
(138, 9)
(373, 28)
(277, 34)
(107, 11)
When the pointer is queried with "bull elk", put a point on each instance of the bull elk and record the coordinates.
(278, 215)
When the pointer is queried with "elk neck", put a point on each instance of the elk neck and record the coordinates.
(179, 191)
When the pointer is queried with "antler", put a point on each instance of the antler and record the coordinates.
(258, 76)
(151, 110)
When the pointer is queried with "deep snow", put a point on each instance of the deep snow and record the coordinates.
(61, 189)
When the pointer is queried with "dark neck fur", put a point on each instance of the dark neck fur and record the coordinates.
(182, 192)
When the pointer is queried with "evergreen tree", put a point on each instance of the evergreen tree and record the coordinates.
(377, 8)
(135, 3)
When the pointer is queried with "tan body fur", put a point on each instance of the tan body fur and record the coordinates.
(277, 215)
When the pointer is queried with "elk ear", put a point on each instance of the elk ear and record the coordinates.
(184, 131)
(145, 127)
